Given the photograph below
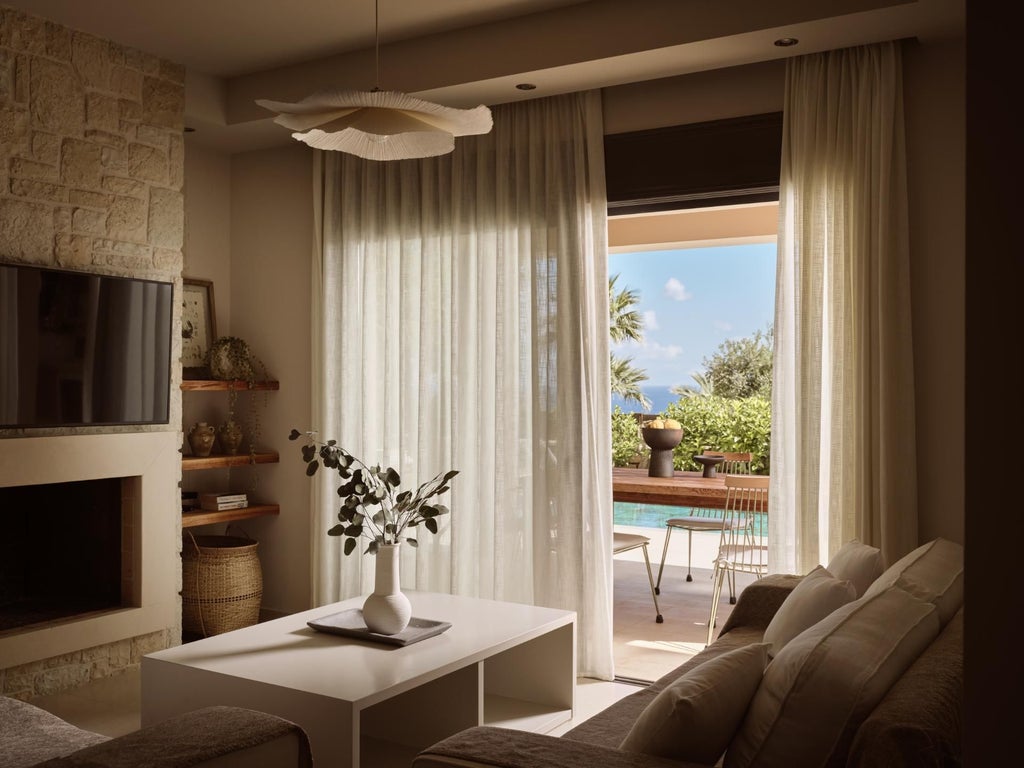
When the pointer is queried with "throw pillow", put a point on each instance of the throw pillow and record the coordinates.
(694, 718)
(814, 598)
(823, 684)
(859, 563)
(934, 572)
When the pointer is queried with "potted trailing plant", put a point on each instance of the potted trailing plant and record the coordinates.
(373, 508)
(230, 358)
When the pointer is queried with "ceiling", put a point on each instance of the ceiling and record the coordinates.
(465, 52)
(215, 38)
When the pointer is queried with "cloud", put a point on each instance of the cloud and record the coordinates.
(723, 325)
(676, 290)
(650, 320)
(648, 350)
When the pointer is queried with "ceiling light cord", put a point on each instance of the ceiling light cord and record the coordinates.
(376, 124)
(376, 44)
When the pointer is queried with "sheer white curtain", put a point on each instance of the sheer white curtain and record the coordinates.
(843, 450)
(461, 322)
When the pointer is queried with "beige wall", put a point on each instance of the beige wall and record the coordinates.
(271, 256)
(271, 240)
(935, 120)
(249, 228)
(208, 225)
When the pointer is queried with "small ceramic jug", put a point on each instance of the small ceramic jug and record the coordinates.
(230, 435)
(200, 438)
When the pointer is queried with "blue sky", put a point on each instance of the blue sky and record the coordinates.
(692, 300)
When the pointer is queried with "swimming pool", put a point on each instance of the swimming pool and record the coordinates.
(655, 515)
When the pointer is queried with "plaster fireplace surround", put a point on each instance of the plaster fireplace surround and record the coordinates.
(91, 177)
(55, 655)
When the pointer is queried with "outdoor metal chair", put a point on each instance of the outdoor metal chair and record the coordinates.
(624, 542)
(743, 546)
(702, 519)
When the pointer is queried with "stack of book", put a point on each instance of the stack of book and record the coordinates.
(218, 502)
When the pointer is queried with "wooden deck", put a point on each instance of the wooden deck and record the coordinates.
(683, 489)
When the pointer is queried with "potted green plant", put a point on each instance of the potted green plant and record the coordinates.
(230, 358)
(373, 508)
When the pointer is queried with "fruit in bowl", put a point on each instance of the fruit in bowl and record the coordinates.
(662, 424)
(662, 433)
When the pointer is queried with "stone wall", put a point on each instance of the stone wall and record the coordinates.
(91, 152)
(71, 670)
(91, 176)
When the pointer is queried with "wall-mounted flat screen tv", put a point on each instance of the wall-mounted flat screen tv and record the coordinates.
(80, 349)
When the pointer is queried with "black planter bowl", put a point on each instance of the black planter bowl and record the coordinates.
(661, 439)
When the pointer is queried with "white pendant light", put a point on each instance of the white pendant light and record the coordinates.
(378, 125)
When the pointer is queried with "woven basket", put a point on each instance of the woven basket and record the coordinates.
(221, 584)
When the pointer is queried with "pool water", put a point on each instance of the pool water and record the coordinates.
(655, 515)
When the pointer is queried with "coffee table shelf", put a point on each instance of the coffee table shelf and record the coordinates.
(364, 703)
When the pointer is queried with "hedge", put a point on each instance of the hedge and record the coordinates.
(708, 422)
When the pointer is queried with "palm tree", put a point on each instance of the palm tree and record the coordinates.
(625, 323)
(704, 387)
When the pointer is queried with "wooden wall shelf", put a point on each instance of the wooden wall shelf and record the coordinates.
(213, 461)
(217, 385)
(205, 516)
(221, 461)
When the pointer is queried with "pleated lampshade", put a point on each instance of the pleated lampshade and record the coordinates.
(378, 125)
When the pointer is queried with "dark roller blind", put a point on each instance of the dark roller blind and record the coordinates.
(720, 162)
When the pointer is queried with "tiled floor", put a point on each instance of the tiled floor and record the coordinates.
(644, 650)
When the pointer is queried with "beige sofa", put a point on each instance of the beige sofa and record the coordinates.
(913, 718)
(215, 737)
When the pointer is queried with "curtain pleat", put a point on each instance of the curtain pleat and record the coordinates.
(461, 306)
(843, 450)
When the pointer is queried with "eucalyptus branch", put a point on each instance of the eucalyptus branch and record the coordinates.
(364, 487)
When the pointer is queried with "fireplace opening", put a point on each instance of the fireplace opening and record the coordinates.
(65, 551)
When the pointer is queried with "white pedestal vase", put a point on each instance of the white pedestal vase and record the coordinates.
(387, 610)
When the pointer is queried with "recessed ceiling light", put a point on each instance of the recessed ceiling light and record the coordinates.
(525, 86)
(785, 42)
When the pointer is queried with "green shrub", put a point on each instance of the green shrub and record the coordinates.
(719, 423)
(722, 424)
(626, 440)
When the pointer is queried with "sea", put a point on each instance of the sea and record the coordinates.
(660, 397)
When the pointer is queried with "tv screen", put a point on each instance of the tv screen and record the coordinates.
(81, 349)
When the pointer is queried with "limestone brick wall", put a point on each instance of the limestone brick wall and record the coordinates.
(71, 670)
(91, 176)
(91, 152)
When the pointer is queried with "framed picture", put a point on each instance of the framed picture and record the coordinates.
(198, 326)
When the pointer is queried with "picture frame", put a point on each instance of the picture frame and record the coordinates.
(198, 326)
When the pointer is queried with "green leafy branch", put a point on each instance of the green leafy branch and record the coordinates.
(372, 507)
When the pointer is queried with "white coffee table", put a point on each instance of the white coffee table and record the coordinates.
(365, 703)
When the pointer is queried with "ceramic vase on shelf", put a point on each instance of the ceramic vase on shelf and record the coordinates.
(200, 438)
(387, 611)
(230, 435)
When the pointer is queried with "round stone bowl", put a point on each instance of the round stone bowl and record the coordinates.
(661, 439)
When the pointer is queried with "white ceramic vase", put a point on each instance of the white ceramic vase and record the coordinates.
(387, 610)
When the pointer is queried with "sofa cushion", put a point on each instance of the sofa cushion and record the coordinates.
(814, 598)
(609, 726)
(920, 720)
(859, 563)
(30, 735)
(695, 717)
(820, 687)
(934, 572)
